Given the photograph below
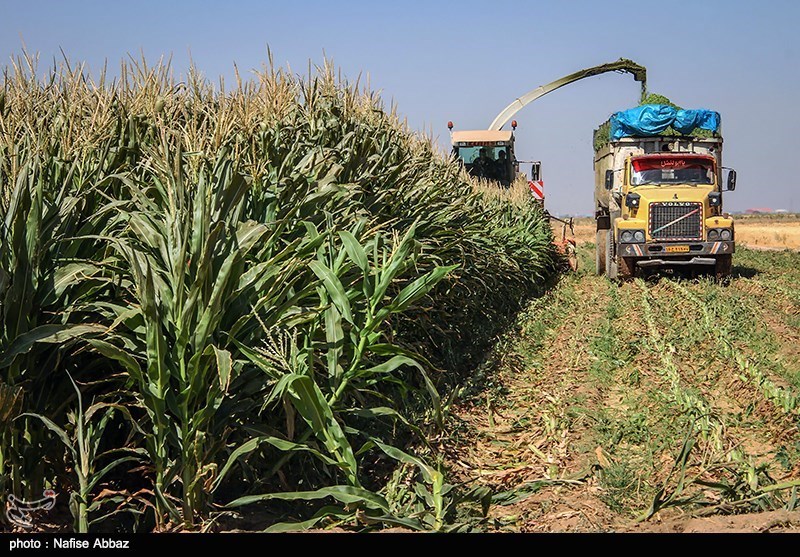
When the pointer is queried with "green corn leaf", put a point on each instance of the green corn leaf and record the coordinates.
(100, 474)
(48, 334)
(311, 230)
(401, 360)
(282, 527)
(249, 233)
(355, 251)
(313, 407)
(241, 450)
(397, 262)
(110, 351)
(57, 430)
(349, 495)
(385, 349)
(429, 473)
(253, 444)
(391, 365)
(263, 363)
(334, 288)
(71, 274)
(334, 336)
(386, 412)
(214, 306)
(420, 287)
(157, 352)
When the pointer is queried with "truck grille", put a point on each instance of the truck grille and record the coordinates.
(676, 221)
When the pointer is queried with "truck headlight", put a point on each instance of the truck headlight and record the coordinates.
(724, 234)
(629, 236)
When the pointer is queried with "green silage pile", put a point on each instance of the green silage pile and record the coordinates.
(602, 135)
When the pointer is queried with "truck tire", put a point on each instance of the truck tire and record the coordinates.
(722, 268)
(600, 253)
(611, 265)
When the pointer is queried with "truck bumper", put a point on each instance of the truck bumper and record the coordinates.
(663, 262)
(657, 254)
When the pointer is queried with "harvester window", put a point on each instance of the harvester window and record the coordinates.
(486, 167)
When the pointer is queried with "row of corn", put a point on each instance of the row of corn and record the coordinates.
(221, 298)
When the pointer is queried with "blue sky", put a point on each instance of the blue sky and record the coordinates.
(465, 61)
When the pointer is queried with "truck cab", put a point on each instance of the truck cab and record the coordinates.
(663, 206)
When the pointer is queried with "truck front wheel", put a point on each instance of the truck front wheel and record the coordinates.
(722, 268)
(626, 267)
(600, 253)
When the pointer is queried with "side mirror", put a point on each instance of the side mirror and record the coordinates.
(536, 170)
(609, 179)
(731, 180)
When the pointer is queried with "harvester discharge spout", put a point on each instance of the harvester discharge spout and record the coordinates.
(622, 65)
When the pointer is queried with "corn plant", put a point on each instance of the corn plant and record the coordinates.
(83, 444)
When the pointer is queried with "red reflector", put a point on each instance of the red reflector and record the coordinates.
(537, 188)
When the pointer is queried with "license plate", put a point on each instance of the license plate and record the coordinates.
(677, 249)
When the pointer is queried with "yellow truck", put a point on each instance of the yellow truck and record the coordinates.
(658, 203)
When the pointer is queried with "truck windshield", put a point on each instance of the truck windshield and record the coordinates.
(675, 170)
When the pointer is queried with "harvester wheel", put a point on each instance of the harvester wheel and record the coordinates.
(572, 257)
(600, 253)
(722, 268)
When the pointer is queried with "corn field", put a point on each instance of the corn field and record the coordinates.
(254, 298)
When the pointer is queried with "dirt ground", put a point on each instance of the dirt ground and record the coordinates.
(663, 405)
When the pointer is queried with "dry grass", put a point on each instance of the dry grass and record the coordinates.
(583, 230)
(518, 193)
(776, 234)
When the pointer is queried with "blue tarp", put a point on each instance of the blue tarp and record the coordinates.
(652, 119)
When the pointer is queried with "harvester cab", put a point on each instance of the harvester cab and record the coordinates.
(487, 154)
